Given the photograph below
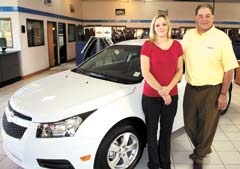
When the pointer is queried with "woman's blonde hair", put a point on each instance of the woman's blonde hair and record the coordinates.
(152, 33)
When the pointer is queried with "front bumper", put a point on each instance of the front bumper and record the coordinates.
(38, 153)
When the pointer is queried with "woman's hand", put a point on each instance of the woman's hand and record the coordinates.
(167, 99)
(164, 91)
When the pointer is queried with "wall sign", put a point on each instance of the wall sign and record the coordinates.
(48, 2)
(72, 9)
(119, 12)
(163, 12)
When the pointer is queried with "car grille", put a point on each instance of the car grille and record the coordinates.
(11, 128)
(55, 164)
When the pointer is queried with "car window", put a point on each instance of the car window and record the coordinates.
(119, 63)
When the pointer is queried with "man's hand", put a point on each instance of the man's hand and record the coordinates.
(222, 101)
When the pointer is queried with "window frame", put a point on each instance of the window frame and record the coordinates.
(35, 32)
(9, 37)
(72, 36)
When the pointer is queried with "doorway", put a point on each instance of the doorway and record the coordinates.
(52, 44)
(62, 42)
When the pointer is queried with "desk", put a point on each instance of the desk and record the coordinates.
(9, 67)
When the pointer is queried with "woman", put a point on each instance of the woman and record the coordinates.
(162, 68)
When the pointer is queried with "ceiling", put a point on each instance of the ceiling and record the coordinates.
(216, 1)
(229, 1)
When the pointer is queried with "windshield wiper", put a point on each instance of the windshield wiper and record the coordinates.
(82, 71)
(98, 75)
(103, 76)
(106, 77)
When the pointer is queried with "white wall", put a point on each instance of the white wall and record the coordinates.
(140, 10)
(61, 7)
(9, 2)
(227, 12)
(15, 28)
(135, 10)
(34, 59)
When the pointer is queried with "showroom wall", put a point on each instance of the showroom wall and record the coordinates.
(34, 59)
(138, 13)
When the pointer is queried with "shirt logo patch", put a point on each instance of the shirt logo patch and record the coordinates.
(210, 47)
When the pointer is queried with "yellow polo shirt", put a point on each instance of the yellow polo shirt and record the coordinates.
(207, 56)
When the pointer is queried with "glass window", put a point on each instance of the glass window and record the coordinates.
(35, 33)
(6, 31)
(80, 33)
(118, 63)
(71, 33)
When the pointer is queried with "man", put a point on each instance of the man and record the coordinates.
(210, 63)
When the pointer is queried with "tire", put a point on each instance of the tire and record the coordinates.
(121, 148)
(229, 95)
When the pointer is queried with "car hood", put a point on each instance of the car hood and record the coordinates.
(65, 94)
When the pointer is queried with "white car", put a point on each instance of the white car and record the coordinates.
(84, 118)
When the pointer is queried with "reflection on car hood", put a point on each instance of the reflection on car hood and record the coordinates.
(64, 95)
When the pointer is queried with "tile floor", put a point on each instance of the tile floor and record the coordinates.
(226, 145)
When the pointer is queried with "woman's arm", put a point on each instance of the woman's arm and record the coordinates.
(145, 68)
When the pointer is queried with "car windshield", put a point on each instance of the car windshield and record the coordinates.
(117, 63)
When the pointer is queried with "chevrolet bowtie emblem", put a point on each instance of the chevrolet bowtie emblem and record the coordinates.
(10, 117)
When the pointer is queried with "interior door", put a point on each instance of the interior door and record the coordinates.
(52, 47)
(62, 42)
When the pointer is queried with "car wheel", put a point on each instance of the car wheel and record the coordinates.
(229, 97)
(121, 148)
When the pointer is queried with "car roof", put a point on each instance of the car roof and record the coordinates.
(135, 42)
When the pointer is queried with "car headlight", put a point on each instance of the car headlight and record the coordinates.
(65, 128)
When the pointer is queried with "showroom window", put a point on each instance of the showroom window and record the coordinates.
(6, 31)
(35, 32)
(71, 33)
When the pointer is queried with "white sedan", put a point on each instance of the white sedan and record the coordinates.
(89, 117)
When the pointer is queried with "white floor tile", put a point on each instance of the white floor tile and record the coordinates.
(181, 158)
(1, 150)
(220, 136)
(237, 145)
(225, 120)
(233, 136)
(229, 128)
(230, 157)
(220, 146)
(212, 166)
(181, 146)
(2, 157)
(212, 158)
(232, 166)
(183, 166)
(6, 163)
(182, 137)
(0, 134)
(226, 145)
